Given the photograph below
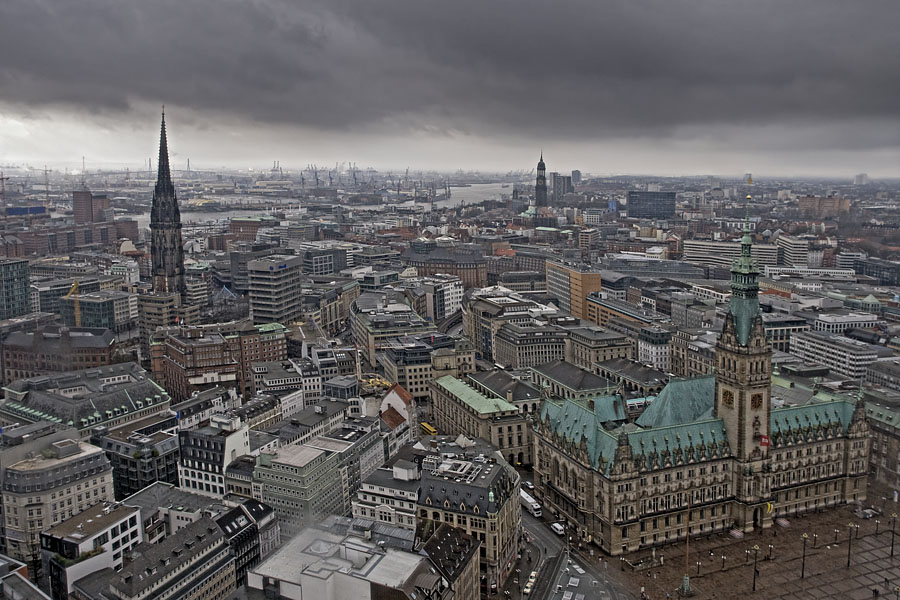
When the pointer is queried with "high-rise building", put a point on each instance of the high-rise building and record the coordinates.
(651, 205)
(275, 283)
(166, 246)
(15, 295)
(90, 208)
(540, 187)
(576, 176)
(571, 283)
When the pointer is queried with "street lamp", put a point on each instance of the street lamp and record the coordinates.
(747, 554)
(849, 542)
(755, 559)
(815, 540)
(836, 532)
(893, 520)
(805, 538)
(723, 562)
(698, 567)
(771, 547)
(897, 592)
(877, 523)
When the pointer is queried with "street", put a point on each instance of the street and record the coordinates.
(584, 575)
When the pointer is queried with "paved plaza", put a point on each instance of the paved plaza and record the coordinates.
(780, 561)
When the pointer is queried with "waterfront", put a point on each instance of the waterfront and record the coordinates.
(473, 194)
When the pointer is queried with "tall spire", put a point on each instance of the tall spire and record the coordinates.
(163, 176)
(166, 251)
(744, 304)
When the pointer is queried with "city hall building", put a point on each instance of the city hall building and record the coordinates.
(710, 454)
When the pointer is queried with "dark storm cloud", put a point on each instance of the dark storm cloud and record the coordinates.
(571, 70)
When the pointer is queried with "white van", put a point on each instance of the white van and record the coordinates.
(558, 528)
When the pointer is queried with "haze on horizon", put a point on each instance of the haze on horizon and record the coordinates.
(693, 87)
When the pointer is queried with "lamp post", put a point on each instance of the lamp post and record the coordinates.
(877, 524)
(747, 554)
(805, 538)
(893, 521)
(849, 542)
(771, 547)
(755, 559)
(897, 592)
(836, 532)
(723, 562)
(698, 567)
(815, 540)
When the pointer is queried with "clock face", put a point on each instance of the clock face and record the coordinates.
(728, 398)
(756, 401)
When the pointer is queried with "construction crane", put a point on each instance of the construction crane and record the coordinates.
(76, 308)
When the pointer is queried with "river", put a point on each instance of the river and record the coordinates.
(473, 194)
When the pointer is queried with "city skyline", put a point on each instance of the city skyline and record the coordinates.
(664, 89)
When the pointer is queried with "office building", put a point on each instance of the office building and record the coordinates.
(43, 489)
(840, 321)
(842, 355)
(197, 564)
(15, 295)
(517, 346)
(721, 254)
(413, 361)
(443, 296)
(275, 284)
(141, 453)
(158, 311)
(94, 539)
(793, 252)
(651, 205)
(110, 396)
(375, 319)
(55, 349)
(302, 484)
(388, 495)
(571, 283)
(820, 207)
(90, 208)
(108, 309)
(205, 452)
(342, 559)
(486, 310)
(477, 493)
(458, 408)
(586, 346)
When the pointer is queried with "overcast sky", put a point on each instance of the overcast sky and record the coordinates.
(771, 87)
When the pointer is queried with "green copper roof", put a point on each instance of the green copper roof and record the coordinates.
(796, 423)
(744, 304)
(681, 401)
(472, 397)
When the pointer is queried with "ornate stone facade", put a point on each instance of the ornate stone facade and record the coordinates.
(709, 455)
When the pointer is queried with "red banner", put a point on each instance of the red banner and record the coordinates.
(764, 440)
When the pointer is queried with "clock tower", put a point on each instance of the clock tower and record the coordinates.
(540, 187)
(743, 386)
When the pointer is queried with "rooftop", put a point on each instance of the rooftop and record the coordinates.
(473, 398)
(92, 521)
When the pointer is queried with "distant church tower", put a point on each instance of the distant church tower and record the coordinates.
(166, 247)
(743, 386)
(540, 187)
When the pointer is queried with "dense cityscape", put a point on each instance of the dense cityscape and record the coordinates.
(625, 324)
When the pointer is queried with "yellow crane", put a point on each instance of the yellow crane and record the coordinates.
(76, 308)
